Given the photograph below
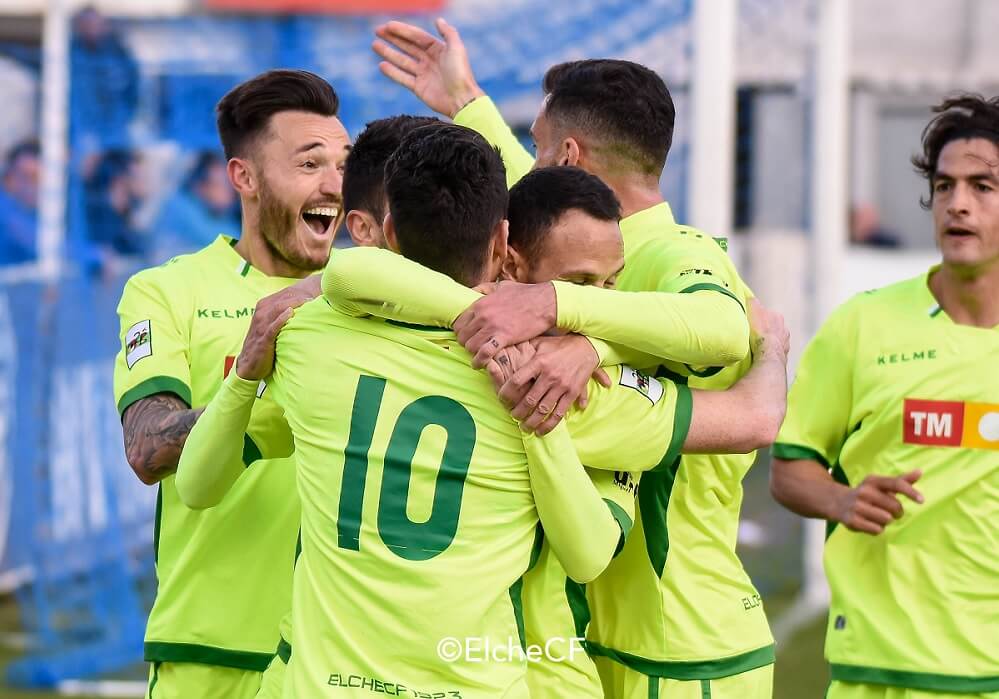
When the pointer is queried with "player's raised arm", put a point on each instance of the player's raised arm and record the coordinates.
(212, 458)
(437, 71)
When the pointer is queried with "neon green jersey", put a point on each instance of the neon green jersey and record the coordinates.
(224, 573)
(556, 612)
(890, 384)
(418, 519)
(687, 611)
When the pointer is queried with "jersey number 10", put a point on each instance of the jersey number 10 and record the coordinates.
(415, 541)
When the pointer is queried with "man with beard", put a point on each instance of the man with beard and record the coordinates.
(182, 326)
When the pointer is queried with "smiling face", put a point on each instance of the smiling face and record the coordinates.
(966, 204)
(299, 163)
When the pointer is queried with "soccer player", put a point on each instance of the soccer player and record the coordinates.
(564, 225)
(897, 390)
(425, 483)
(223, 574)
(675, 618)
(212, 459)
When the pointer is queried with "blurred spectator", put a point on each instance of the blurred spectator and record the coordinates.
(104, 85)
(866, 229)
(204, 207)
(112, 196)
(19, 204)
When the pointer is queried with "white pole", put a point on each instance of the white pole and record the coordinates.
(712, 140)
(54, 133)
(830, 126)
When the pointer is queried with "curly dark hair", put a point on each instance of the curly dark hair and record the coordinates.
(957, 118)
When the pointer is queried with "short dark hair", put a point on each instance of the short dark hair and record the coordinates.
(447, 192)
(29, 148)
(543, 195)
(244, 113)
(957, 118)
(364, 171)
(623, 104)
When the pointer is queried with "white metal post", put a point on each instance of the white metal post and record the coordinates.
(54, 134)
(712, 140)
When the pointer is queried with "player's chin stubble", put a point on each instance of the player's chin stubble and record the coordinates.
(278, 226)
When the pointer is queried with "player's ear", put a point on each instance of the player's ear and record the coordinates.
(514, 266)
(362, 228)
(497, 249)
(242, 176)
(570, 152)
(388, 228)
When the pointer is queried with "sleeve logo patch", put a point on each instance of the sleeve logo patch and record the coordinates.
(138, 342)
(648, 387)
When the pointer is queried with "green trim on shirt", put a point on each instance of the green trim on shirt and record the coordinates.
(251, 452)
(284, 651)
(153, 385)
(681, 426)
(794, 452)
(653, 500)
(707, 286)
(516, 598)
(157, 522)
(414, 326)
(914, 680)
(623, 521)
(166, 652)
(689, 669)
(575, 595)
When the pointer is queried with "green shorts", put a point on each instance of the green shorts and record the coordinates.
(854, 690)
(621, 682)
(194, 680)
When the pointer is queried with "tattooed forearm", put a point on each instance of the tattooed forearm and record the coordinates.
(155, 430)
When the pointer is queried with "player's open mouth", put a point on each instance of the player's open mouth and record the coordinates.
(320, 219)
(958, 232)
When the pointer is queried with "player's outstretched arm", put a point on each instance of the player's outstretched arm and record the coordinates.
(212, 458)
(704, 328)
(578, 524)
(806, 487)
(155, 429)
(748, 415)
(378, 282)
(438, 72)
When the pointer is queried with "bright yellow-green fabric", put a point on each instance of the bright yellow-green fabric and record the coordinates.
(481, 115)
(398, 545)
(677, 596)
(620, 682)
(376, 281)
(272, 681)
(850, 690)
(660, 325)
(212, 458)
(890, 384)
(223, 574)
(187, 680)
(556, 613)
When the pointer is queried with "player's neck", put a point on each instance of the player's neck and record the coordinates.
(969, 298)
(253, 248)
(635, 194)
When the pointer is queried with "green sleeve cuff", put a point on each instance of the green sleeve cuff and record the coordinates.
(152, 386)
(795, 452)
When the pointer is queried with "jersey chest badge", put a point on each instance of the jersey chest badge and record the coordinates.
(944, 423)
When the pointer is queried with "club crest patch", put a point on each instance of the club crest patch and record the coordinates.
(648, 387)
(138, 342)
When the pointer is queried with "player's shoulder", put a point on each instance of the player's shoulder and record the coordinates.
(178, 272)
(900, 296)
